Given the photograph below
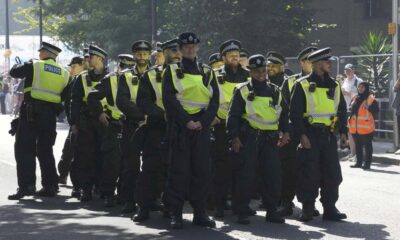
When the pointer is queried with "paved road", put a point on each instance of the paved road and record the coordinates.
(370, 199)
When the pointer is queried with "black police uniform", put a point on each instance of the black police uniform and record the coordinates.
(260, 151)
(35, 136)
(222, 160)
(320, 167)
(150, 181)
(109, 137)
(86, 162)
(67, 151)
(189, 173)
(132, 139)
(290, 163)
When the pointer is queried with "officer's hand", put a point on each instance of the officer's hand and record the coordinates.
(103, 118)
(215, 121)
(191, 125)
(283, 139)
(236, 144)
(305, 142)
(199, 126)
(74, 129)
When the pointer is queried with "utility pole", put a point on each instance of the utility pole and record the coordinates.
(40, 21)
(395, 39)
(7, 52)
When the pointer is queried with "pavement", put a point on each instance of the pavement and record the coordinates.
(369, 198)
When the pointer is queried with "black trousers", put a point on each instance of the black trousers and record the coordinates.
(189, 173)
(36, 139)
(97, 156)
(66, 157)
(132, 145)
(290, 170)
(363, 142)
(150, 182)
(259, 154)
(3, 103)
(221, 166)
(320, 168)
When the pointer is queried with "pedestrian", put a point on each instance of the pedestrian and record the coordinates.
(45, 84)
(256, 115)
(228, 76)
(363, 112)
(317, 109)
(191, 98)
(85, 128)
(150, 182)
(349, 89)
(396, 103)
(288, 153)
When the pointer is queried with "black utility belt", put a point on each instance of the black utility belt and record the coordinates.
(267, 133)
(321, 128)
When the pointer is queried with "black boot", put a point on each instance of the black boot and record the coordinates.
(357, 165)
(142, 215)
(109, 201)
(62, 179)
(22, 192)
(200, 218)
(129, 207)
(76, 193)
(285, 209)
(333, 214)
(47, 192)
(243, 219)
(274, 217)
(366, 166)
(307, 212)
(86, 195)
(176, 221)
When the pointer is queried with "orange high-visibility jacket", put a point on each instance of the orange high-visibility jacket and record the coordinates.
(364, 122)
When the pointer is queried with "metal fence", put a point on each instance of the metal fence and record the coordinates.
(386, 118)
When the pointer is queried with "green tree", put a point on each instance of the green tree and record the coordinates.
(260, 25)
(375, 69)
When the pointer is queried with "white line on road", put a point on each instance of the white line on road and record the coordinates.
(12, 164)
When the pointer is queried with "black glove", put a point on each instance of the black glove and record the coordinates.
(14, 126)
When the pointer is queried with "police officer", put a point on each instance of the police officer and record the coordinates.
(244, 57)
(290, 166)
(132, 137)
(256, 115)
(150, 181)
(275, 67)
(125, 61)
(76, 66)
(158, 55)
(317, 108)
(215, 61)
(228, 76)
(102, 106)
(44, 90)
(84, 126)
(191, 99)
(141, 53)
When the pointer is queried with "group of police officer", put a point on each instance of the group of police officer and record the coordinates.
(152, 137)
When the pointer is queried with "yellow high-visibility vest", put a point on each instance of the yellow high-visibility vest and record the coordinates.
(319, 108)
(115, 112)
(191, 92)
(49, 80)
(261, 113)
(156, 85)
(132, 81)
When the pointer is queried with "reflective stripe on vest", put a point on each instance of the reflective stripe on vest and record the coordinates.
(157, 86)
(49, 80)
(363, 122)
(115, 112)
(260, 113)
(319, 108)
(191, 92)
(226, 91)
(291, 82)
(132, 82)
